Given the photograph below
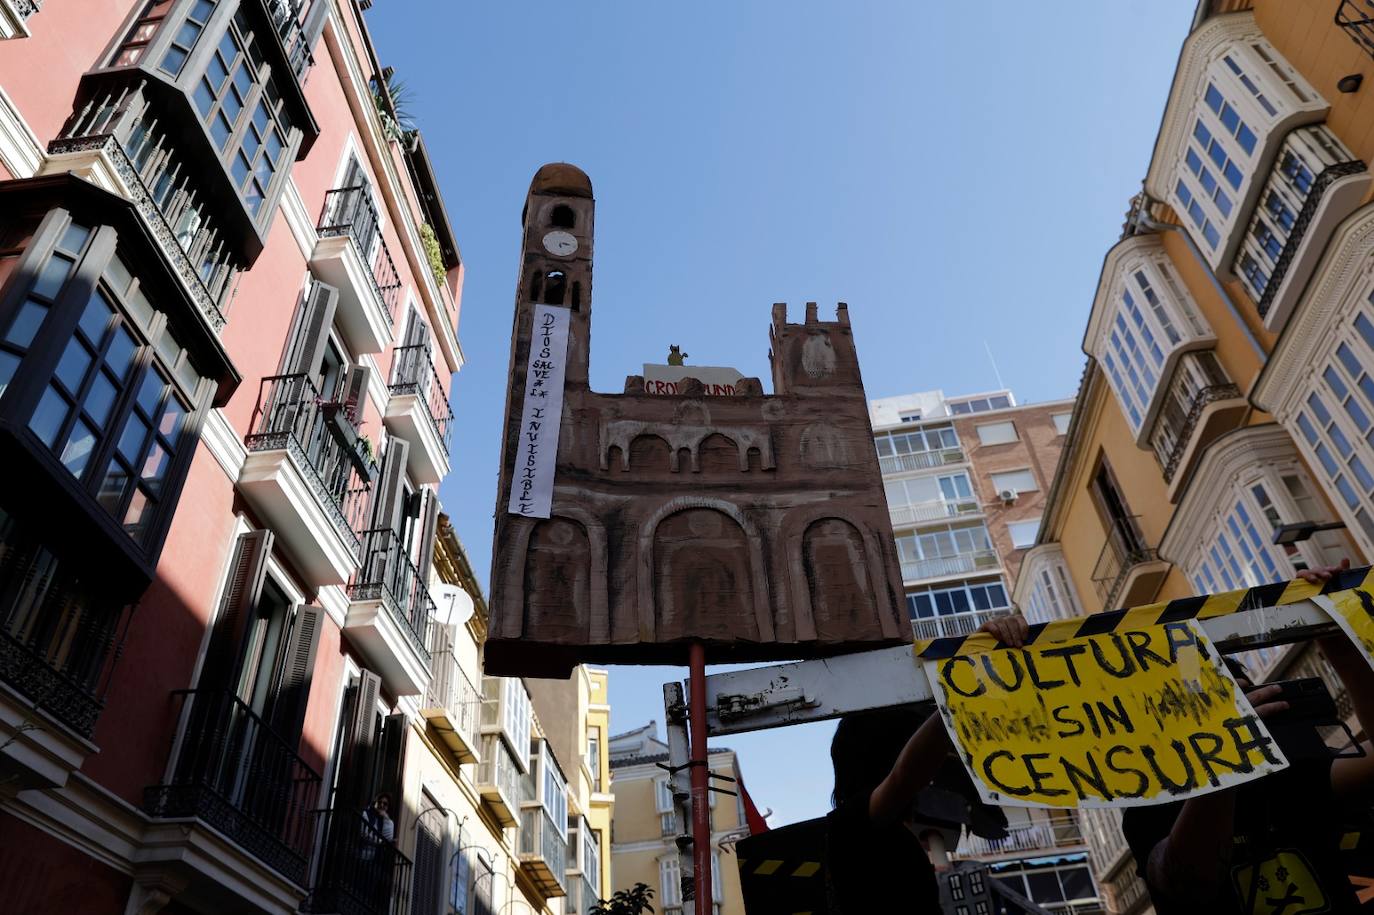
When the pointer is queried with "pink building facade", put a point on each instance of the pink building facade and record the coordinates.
(229, 300)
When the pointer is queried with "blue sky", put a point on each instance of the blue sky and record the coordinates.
(954, 172)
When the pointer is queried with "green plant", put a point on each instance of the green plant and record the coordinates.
(393, 106)
(433, 253)
(625, 902)
(365, 448)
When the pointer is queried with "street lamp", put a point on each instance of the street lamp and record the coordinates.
(1299, 531)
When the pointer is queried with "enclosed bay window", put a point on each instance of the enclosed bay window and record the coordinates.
(918, 449)
(1143, 319)
(1049, 593)
(948, 550)
(964, 597)
(930, 498)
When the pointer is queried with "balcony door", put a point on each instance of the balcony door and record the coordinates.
(1122, 530)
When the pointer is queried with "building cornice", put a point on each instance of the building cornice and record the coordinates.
(1081, 425)
(1119, 256)
(1332, 293)
(1198, 50)
(1229, 456)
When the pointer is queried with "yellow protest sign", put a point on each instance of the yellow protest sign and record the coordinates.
(1136, 716)
(1353, 611)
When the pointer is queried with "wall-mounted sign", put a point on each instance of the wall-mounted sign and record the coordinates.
(531, 488)
(718, 381)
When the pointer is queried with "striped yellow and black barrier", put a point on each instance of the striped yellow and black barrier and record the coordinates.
(782, 871)
(1204, 607)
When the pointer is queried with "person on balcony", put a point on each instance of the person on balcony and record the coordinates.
(1274, 844)
(379, 832)
(883, 759)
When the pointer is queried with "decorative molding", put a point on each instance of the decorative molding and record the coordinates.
(1213, 481)
(377, 390)
(334, 600)
(298, 219)
(1333, 293)
(20, 151)
(1030, 564)
(86, 816)
(224, 443)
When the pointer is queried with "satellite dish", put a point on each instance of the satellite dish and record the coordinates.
(452, 605)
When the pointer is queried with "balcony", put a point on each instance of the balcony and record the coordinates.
(934, 510)
(1128, 573)
(1201, 403)
(118, 142)
(581, 896)
(418, 412)
(937, 627)
(1059, 831)
(1315, 184)
(352, 256)
(359, 872)
(59, 636)
(1356, 18)
(920, 460)
(14, 14)
(288, 18)
(390, 613)
(543, 852)
(235, 774)
(946, 566)
(307, 477)
(452, 705)
(498, 780)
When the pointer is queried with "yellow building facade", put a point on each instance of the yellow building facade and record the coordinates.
(644, 847)
(1229, 386)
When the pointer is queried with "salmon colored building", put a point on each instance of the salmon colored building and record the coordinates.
(1230, 345)
(229, 300)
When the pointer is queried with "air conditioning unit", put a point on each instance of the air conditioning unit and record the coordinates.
(1007, 495)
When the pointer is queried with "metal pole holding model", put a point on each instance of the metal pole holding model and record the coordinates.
(701, 778)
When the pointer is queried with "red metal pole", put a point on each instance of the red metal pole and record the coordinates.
(701, 801)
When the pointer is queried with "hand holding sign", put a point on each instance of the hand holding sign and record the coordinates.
(1131, 717)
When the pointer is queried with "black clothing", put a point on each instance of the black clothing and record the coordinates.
(873, 867)
(1286, 856)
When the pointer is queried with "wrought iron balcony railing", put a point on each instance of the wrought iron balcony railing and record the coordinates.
(1356, 17)
(26, 8)
(957, 564)
(920, 460)
(413, 373)
(1124, 549)
(1198, 380)
(58, 638)
(360, 872)
(386, 573)
(937, 627)
(449, 688)
(236, 773)
(1058, 832)
(163, 187)
(349, 211)
(288, 16)
(291, 415)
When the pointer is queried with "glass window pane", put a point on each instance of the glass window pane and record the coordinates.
(173, 60)
(205, 97)
(155, 466)
(9, 363)
(52, 275)
(131, 441)
(220, 130)
(48, 416)
(979, 595)
(150, 393)
(261, 118)
(26, 323)
(71, 368)
(113, 486)
(100, 399)
(120, 356)
(216, 73)
(959, 601)
(79, 447)
(74, 239)
(997, 595)
(96, 318)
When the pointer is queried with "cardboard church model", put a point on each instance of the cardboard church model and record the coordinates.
(630, 525)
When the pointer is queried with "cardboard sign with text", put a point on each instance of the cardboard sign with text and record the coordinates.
(1140, 716)
(1353, 611)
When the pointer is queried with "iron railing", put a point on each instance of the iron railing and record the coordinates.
(291, 415)
(386, 573)
(920, 460)
(1057, 832)
(58, 639)
(449, 688)
(941, 566)
(360, 871)
(933, 510)
(1356, 17)
(122, 124)
(239, 775)
(1198, 380)
(1124, 549)
(937, 627)
(413, 373)
(288, 16)
(26, 8)
(349, 211)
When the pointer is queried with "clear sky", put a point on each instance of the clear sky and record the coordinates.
(953, 171)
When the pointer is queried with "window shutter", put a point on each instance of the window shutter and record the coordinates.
(360, 743)
(293, 694)
(390, 491)
(354, 394)
(391, 760)
(429, 519)
(311, 333)
(417, 332)
(242, 590)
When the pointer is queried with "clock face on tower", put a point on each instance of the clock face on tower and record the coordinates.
(560, 243)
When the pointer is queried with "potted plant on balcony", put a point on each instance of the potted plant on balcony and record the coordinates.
(625, 902)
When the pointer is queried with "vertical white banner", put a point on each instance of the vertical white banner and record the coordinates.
(531, 488)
